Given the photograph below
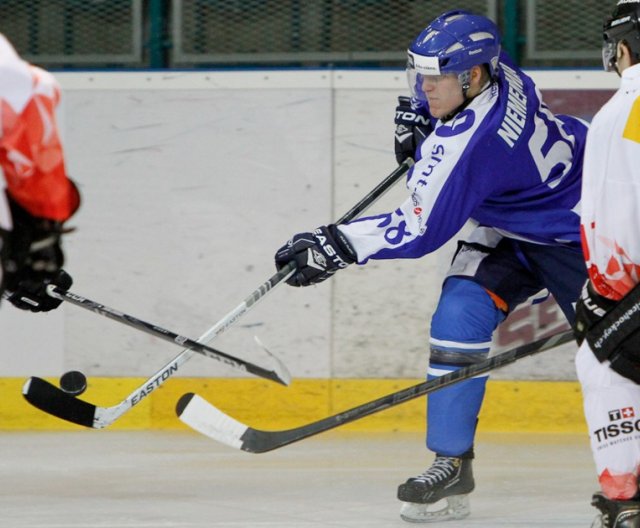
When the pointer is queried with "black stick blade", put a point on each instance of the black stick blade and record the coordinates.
(54, 401)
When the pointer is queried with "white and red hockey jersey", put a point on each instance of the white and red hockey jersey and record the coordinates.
(610, 222)
(610, 215)
(31, 155)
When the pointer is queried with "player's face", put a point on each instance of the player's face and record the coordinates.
(443, 93)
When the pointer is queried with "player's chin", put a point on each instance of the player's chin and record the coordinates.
(435, 109)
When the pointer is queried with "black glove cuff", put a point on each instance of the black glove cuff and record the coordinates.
(348, 253)
(590, 308)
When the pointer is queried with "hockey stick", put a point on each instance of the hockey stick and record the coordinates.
(280, 374)
(53, 400)
(200, 415)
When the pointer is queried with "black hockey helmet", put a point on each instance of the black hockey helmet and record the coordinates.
(622, 26)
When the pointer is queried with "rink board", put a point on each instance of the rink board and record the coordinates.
(513, 406)
(190, 180)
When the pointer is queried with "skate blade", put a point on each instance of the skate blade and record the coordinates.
(454, 507)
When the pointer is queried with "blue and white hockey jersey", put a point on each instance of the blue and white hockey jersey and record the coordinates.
(505, 161)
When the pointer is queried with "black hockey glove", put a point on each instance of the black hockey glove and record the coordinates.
(611, 329)
(32, 258)
(412, 127)
(32, 294)
(590, 308)
(317, 255)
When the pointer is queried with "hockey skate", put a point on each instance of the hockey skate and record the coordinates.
(449, 479)
(616, 513)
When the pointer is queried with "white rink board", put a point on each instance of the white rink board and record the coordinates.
(192, 180)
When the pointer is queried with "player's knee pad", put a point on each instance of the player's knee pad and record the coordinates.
(463, 323)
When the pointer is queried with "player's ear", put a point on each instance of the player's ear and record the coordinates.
(477, 75)
(624, 57)
(619, 50)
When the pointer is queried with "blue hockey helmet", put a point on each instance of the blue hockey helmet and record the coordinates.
(622, 26)
(453, 43)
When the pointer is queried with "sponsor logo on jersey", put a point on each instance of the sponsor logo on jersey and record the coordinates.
(619, 414)
(434, 159)
(515, 115)
(418, 210)
(623, 425)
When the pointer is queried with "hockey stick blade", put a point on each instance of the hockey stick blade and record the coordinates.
(203, 417)
(52, 400)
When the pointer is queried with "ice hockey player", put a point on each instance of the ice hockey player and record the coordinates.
(39, 197)
(608, 361)
(495, 154)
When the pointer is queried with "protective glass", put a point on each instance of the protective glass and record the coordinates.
(609, 51)
(416, 81)
(421, 68)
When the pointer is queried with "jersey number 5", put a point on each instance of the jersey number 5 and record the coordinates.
(551, 148)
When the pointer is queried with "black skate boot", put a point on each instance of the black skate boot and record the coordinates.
(448, 478)
(616, 513)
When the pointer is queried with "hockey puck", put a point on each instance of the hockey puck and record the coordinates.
(73, 382)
